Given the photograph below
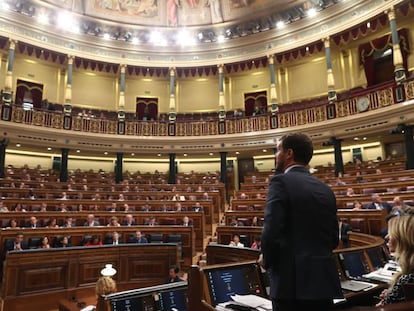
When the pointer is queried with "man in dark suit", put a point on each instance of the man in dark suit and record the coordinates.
(300, 232)
(138, 238)
(114, 239)
(16, 244)
(378, 204)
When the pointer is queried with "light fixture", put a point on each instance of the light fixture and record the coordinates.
(220, 38)
(311, 12)
(280, 24)
(106, 36)
(18, 145)
(237, 152)
(185, 154)
(78, 151)
(106, 152)
(264, 150)
(132, 154)
(108, 270)
(368, 25)
(135, 40)
(210, 153)
(43, 19)
(49, 148)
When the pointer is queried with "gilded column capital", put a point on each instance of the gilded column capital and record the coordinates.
(71, 58)
(220, 68)
(172, 71)
(391, 13)
(123, 67)
(12, 44)
(326, 42)
(271, 59)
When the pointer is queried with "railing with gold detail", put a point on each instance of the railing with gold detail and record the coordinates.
(289, 115)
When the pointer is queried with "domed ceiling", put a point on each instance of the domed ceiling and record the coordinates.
(180, 33)
(178, 13)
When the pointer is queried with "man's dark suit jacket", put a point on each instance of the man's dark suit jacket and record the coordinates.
(9, 245)
(300, 231)
(139, 241)
(385, 205)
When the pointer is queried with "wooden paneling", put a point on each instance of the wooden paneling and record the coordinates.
(32, 277)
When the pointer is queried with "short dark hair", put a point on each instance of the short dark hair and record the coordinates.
(175, 268)
(301, 144)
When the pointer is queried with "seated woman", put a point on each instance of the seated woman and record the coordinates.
(401, 242)
(94, 241)
(44, 243)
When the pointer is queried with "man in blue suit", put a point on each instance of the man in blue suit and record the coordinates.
(300, 232)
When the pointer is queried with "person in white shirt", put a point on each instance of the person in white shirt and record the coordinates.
(236, 241)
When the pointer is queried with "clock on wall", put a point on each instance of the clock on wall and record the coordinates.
(362, 103)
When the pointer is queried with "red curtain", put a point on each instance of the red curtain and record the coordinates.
(147, 107)
(33, 92)
(367, 50)
(253, 99)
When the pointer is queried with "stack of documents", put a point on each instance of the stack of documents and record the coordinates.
(251, 301)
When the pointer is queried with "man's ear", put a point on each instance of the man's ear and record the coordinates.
(289, 154)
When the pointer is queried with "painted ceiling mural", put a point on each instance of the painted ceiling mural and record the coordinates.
(172, 13)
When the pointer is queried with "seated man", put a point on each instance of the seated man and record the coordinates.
(91, 222)
(138, 238)
(378, 204)
(173, 274)
(186, 222)
(114, 239)
(16, 244)
(197, 207)
(33, 223)
(129, 220)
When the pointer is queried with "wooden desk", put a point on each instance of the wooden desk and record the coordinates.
(77, 304)
(37, 279)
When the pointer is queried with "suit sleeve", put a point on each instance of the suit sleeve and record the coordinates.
(273, 234)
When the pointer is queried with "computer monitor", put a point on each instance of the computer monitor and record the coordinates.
(225, 281)
(377, 257)
(155, 298)
(354, 263)
(173, 300)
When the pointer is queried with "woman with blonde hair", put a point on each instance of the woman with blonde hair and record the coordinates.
(104, 286)
(401, 242)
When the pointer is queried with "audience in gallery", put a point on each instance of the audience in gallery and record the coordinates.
(350, 192)
(12, 224)
(152, 221)
(19, 208)
(236, 241)
(401, 243)
(112, 208)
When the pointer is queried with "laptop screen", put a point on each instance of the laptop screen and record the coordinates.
(224, 282)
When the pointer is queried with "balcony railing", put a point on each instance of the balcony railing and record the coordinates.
(288, 116)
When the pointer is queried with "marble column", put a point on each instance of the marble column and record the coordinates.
(172, 114)
(222, 101)
(330, 77)
(399, 70)
(273, 94)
